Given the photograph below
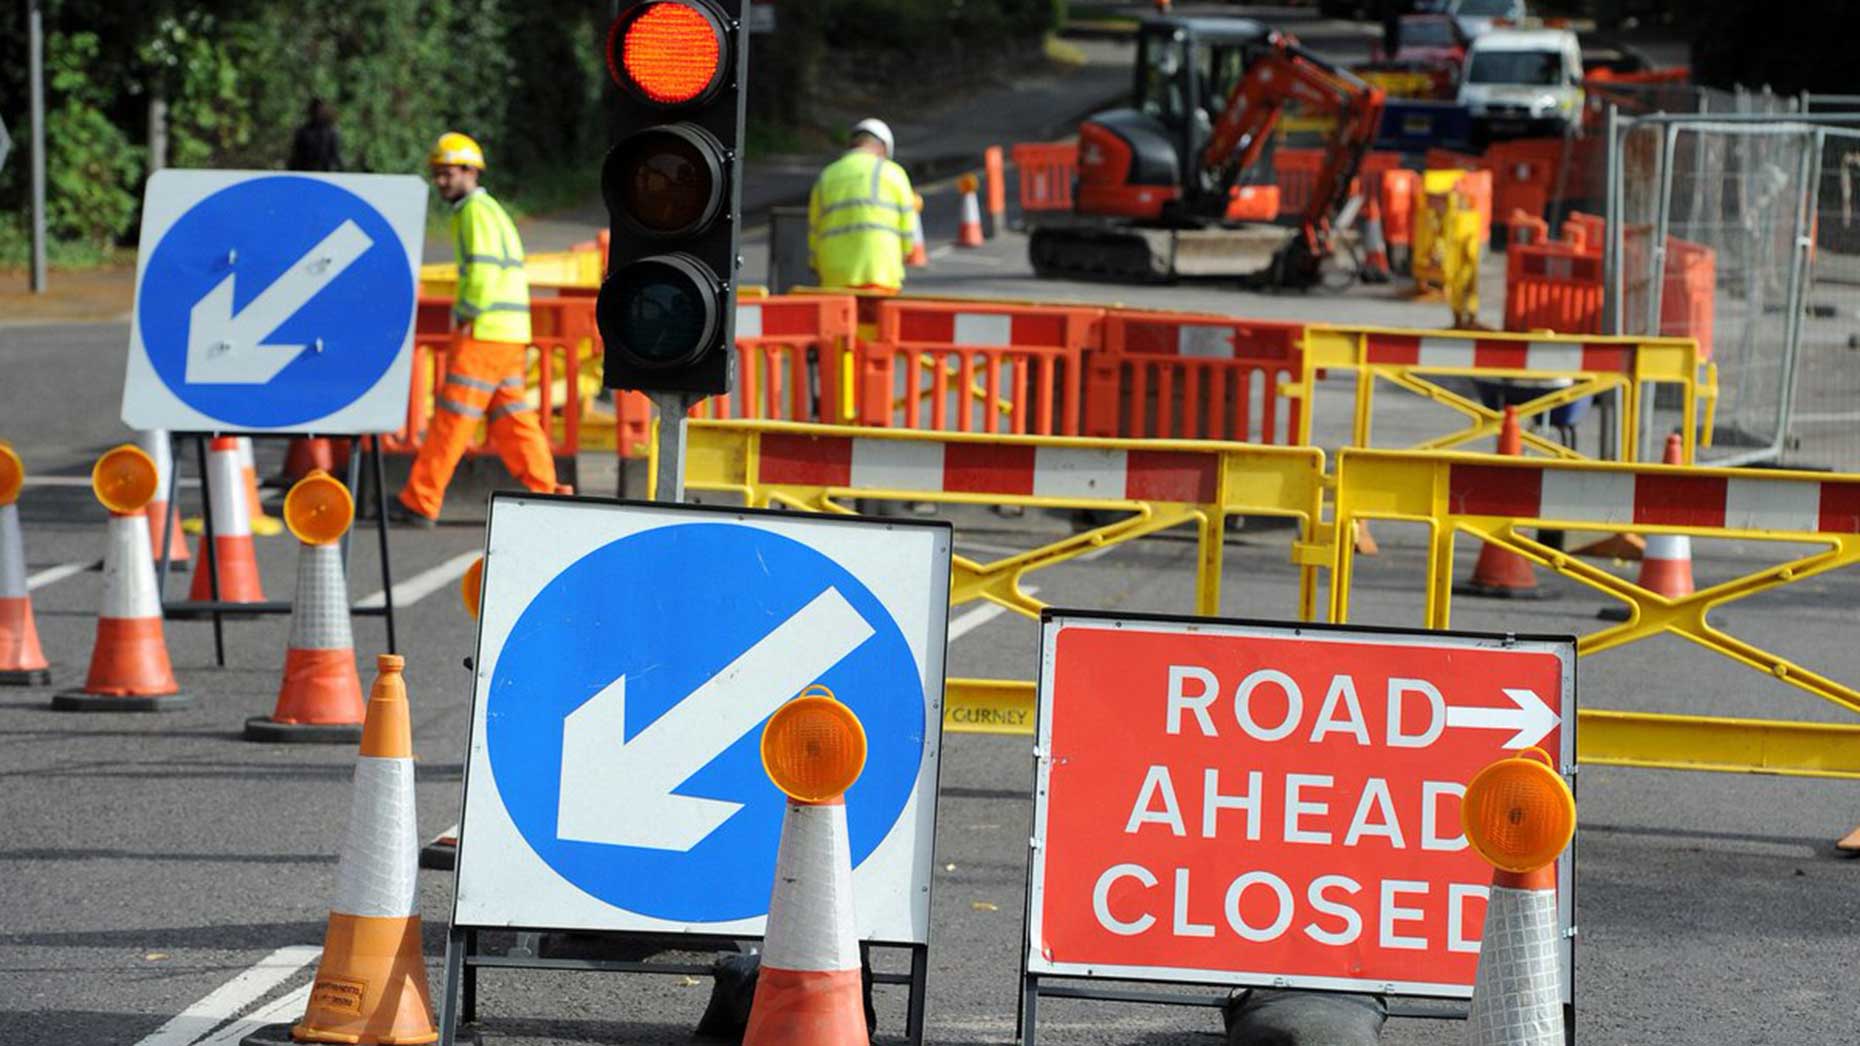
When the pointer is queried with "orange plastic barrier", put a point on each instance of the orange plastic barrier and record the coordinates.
(1296, 172)
(1184, 376)
(1553, 286)
(562, 336)
(1397, 192)
(976, 366)
(1689, 298)
(1046, 171)
(1585, 230)
(789, 360)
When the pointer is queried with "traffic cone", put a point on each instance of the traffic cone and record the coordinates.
(919, 258)
(1500, 572)
(232, 556)
(969, 234)
(320, 699)
(1519, 814)
(164, 518)
(306, 454)
(22, 663)
(129, 667)
(808, 988)
(1375, 246)
(1666, 559)
(262, 525)
(371, 984)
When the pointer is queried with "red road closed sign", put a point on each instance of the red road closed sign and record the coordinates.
(1240, 803)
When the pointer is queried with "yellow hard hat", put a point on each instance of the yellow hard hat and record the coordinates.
(456, 150)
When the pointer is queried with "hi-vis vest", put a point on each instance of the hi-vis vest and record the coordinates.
(859, 222)
(494, 292)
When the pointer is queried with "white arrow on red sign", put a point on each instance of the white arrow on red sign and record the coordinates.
(1530, 719)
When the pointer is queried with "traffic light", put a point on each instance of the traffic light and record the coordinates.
(672, 187)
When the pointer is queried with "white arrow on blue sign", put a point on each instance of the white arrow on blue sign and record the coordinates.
(628, 657)
(274, 302)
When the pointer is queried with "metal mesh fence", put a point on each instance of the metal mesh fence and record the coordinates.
(1826, 419)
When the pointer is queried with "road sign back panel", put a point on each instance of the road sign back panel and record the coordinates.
(1257, 804)
(629, 655)
(274, 302)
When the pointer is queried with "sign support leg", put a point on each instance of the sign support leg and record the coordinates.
(672, 408)
(449, 993)
(381, 531)
(920, 983)
(353, 477)
(173, 518)
(1029, 1007)
(208, 561)
(468, 997)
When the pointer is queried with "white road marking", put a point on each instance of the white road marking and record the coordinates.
(963, 548)
(53, 575)
(941, 251)
(286, 1007)
(971, 620)
(84, 481)
(229, 998)
(423, 584)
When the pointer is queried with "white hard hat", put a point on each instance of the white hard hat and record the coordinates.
(877, 129)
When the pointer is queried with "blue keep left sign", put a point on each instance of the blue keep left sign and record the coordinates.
(280, 302)
(629, 656)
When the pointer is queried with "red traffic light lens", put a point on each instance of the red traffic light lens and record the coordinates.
(666, 181)
(669, 51)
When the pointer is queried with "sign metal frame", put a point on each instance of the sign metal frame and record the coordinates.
(1044, 979)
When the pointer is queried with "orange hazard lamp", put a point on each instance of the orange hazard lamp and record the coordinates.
(672, 191)
(813, 747)
(12, 474)
(1518, 813)
(318, 509)
(471, 586)
(124, 479)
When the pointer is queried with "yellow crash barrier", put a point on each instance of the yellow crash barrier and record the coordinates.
(1160, 484)
(1569, 367)
(1494, 498)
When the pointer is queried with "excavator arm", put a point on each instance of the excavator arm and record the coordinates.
(1285, 73)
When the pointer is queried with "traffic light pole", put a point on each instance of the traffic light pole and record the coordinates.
(673, 408)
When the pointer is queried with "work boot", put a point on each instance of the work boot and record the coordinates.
(1272, 1017)
(401, 516)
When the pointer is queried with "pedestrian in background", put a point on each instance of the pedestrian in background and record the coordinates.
(491, 330)
(316, 146)
(860, 215)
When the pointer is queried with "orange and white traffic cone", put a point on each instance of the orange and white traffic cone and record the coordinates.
(1666, 559)
(371, 985)
(22, 663)
(969, 234)
(1375, 246)
(231, 556)
(129, 666)
(320, 699)
(919, 257)
(1500, 572)
(306, 454)
(808, 990)
(1519, 815)
(164, 518)
(262, 525)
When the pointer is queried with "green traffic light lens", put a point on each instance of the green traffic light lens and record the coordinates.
(667, 181)
(663, 310)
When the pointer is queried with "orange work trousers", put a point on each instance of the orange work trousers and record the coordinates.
(484, 381)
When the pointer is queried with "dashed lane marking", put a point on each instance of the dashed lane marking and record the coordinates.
(971, 620)
(53, 575)
(286, 1007)
(228, 999)
(423, 584)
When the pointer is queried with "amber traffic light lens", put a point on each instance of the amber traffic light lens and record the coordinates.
(813, 747)
(670, 52)
(667, 181)
(1518, 813)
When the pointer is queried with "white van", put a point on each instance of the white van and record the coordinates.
(1520, 82)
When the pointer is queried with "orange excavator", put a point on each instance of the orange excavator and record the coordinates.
(1157, 182)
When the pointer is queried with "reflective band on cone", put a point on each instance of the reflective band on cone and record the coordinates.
(919, 258)
(164, 518)
(320, 699)
(129, 667)
(371, 984)
(22, 662)
(1666, 560)
(1500, 572)
(1517, 998)
(261, 524)
(808, 989)
(232, 555)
